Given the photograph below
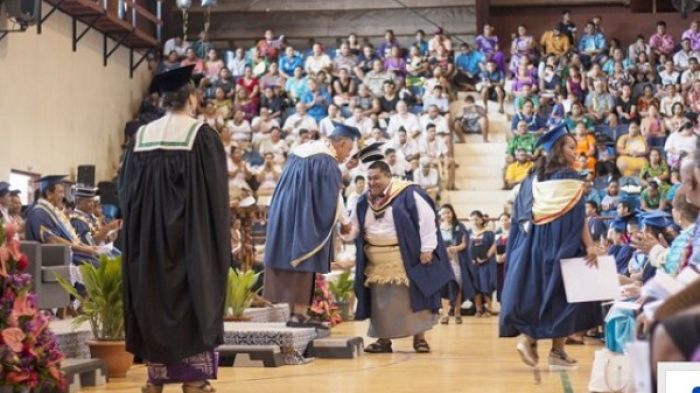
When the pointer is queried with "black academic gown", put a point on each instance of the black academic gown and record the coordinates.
(177, 248)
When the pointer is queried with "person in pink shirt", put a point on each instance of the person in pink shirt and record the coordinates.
(693, 35)
(661, 42)
(191, 58)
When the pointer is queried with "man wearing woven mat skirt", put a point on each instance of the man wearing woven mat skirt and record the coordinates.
(402, 266)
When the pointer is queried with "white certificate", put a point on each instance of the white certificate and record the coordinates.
(588, 284)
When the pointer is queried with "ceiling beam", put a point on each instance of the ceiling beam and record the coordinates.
(558, 3)
(264, 6)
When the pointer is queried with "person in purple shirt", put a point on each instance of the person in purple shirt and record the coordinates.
(487, 44)
(693, 35)
(384, 49)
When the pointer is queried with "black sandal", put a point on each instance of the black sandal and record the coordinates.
(302, 321)
(379, 347)
(421, 346)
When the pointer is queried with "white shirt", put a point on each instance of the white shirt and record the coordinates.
(296, 122)
(351, 202)
(680, 59)
(170, 46)
(315, 64)
(688, 77)
(400, 168)
(326, 126)
(426, 181)
(240, 132)
(432, 149)
(384, 227)
(410, 148)
(365, 125)
(440, 123)
(408, 120)
(677, 143)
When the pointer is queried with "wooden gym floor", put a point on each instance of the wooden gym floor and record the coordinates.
(465, 358)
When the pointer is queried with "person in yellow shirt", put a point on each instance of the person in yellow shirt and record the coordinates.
(554, 42)
(518, 170)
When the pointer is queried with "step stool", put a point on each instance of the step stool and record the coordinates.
(250, 356)
(336, 348)
(83, 372)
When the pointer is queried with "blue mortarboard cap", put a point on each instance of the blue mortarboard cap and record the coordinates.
(619, 225)
(171, 80)
(370, 153)
(343, 131)
(82, 191)
(15, 193)
(47, 181)
(550, 138)
(4, 188)
(656, 219)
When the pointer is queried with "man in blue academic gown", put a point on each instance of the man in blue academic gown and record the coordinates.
(84, 222)
(47, 224)
(399, 274)
(304, 210)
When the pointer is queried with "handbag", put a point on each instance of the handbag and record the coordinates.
(619, 329)
(611, 372)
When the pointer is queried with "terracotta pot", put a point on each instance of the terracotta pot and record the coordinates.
(114, 354)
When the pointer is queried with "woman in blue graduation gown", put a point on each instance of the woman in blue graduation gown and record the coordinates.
(456, 238)
(482, 261)
(548, 226)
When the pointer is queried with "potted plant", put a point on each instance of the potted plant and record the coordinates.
(240, 293)
(101, 306)
(342, 292)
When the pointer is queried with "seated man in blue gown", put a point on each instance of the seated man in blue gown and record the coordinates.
(87, 226)
(47, 224)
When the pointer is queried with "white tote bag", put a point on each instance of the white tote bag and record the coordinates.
(611, 372)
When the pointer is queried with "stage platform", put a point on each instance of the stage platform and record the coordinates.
(266, 327)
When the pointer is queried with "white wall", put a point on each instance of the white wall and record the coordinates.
(59, 108)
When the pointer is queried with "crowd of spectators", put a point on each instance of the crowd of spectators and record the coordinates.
(633, 110)
(269, 98)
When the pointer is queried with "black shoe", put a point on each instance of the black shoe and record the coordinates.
(379, 347)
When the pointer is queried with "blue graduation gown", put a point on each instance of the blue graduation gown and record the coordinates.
(302, 214)
(485, 280)
(82, 224)
(533, 298)
(43, 223)
(623, 254)
(468, 290)
(439, 272)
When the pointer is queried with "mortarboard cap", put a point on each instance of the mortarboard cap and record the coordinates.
(49, 180)
(4, 188)
(82, 191)
(550, 138)
(171, 80)
(370, 153)
(15, 193)
(618, 225)
(340, 130)
(656, 219)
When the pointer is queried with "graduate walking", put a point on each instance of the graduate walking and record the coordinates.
(173, 187)
(548, 225)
